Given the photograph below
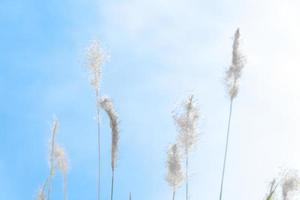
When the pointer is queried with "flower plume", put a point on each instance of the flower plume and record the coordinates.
(62, 165)
(187, 122)
(233, 74)
(290, 184)
(95, 58)
(57, 160)
(107, 104)
(54, 129)
(174, 176)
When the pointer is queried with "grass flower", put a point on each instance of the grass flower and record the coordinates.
(57, 160)
(62, 164)
(107, 104)
(95, 61)
(174, 176)
(232, 77)
(290, 183)
(186, 123)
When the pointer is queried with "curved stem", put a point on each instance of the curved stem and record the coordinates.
(226, 148)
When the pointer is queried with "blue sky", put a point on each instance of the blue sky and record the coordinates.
(161, 51)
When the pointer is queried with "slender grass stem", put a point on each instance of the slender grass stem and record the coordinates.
(112, 185)
(49, 179)
(98, 139)
(173, 198)
(187, 176)
(226, 149)
(65, 188)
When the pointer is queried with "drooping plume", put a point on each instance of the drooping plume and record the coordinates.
(233, 74)
(95, 58)
(290, 183)
(107, 104)
(174, 176)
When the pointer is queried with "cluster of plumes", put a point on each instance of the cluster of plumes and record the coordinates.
(187, 122)
(233, 74)
(289, 184)
(174, 176)
(57, 160)
(107, 104)
(95, 58)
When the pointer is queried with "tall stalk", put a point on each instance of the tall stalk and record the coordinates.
(187, 175)
(98, 142)
(51, 159)
(57, 160)
(96, 58)
(187, 122)
(112, 185)
(232, 77)
(226, 149)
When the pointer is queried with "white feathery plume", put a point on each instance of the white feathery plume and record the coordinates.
(61, 159)
(290, 183)
(233, 74)
(57, 159)
(107, 104)
(187, 123)
(232, 77)
(62, 164)
(96, 58)
(174, 176)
